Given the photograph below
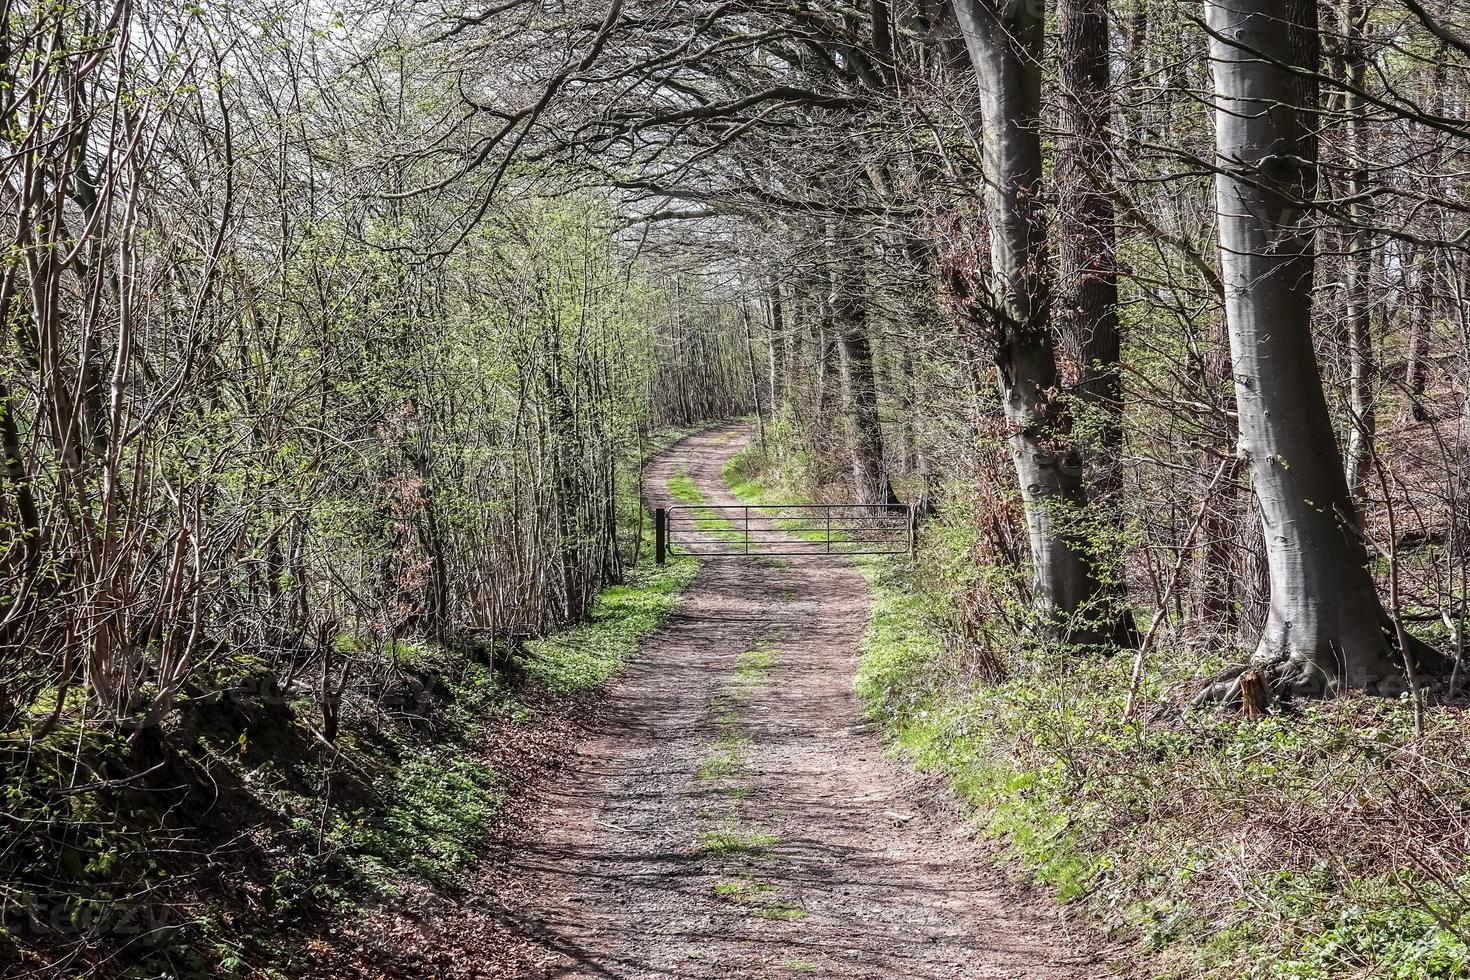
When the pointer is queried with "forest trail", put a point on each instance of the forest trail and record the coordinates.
(732, 814)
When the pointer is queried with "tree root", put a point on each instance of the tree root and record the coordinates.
(1256, 687)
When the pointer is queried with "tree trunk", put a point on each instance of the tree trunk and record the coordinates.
(823, 352)
(755, 381)
(1362, 368)
(908, 407)
(1325, 625)
(1135, 51)
(777, 370)
(1087, 302)
(860, 390)
(1421, 328)
(1005, 42)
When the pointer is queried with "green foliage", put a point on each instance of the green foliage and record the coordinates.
(584, 657)
(742, 474)
(786, 471)
(787, 475)
(412, 794)
(436, 808)
(900, 645)
(1393, 934)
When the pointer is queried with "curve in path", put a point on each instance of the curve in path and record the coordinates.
(733, 815)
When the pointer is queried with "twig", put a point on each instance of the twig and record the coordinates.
(1153, 628)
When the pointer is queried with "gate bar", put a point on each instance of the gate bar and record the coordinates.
(892, 523)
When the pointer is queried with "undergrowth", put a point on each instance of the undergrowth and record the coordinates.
(209, 845)
(584, 657)
(1327, 843)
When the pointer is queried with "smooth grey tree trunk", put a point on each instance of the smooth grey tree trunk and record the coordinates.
(1005, 43)
(1326, 626)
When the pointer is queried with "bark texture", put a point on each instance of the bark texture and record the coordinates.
(1005, 42)
(779, 355)
(1326, 625)
(1363, 366)
(1087, 302)
(860, 391)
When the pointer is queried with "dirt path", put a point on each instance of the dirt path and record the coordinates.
(733, 816)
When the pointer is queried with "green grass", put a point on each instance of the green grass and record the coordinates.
(742, 477)
(733, 739)
(732, 845)
(720, 766)
(755, 666)
(726, 712)
(683, 489)
(735, 843)
(759, 897)
(584, 657)
(783, 912)
(743, 889)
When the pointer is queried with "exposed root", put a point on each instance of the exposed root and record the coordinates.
(1257, 687)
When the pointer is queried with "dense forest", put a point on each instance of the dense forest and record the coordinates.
(338, 339)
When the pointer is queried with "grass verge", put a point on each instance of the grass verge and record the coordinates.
(1286, 847)
(583, 657)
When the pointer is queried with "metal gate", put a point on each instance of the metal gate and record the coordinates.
(795, 530)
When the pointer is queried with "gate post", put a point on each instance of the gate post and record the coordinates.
(660, 535)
